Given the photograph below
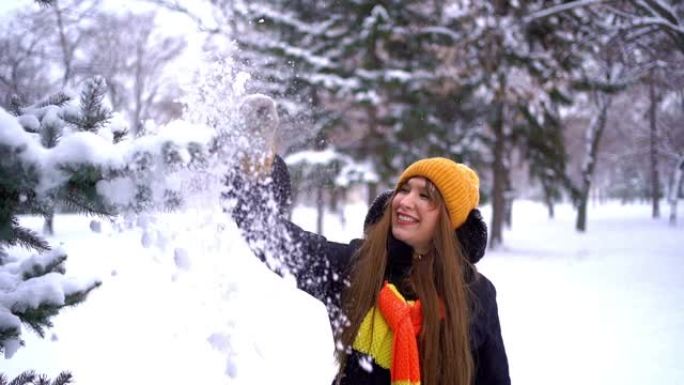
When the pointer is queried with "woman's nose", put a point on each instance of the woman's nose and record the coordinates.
(408, 201)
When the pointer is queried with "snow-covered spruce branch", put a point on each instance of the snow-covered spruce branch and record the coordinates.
(657, 13)
(32, 291)
(95, 175)
(74, 171)
(658, 9)
(452, 36)
(175, 6)
(20, 236)
(62, 379)
(285, 18)
(293, 52)
(656, 21)
(30, 377)
(93, 114)
(59, 99)
(546, 12)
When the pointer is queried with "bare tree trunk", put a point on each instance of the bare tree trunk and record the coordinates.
(67, 55)
(655, 180)
(548, 200)
(373, 138)
(675, 188)
(341, 198)
(581, 224)
(508, 197)
(499, 171)
(320, 209)
(334, 199)
(372, 192)
(551, 208)
(48, 225)
(593, 140)
(136, 122)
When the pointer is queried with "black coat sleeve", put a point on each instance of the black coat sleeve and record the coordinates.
(319, 266)
(491, 362)
(259, 208)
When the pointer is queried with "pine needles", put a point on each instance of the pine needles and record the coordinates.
(30, 377)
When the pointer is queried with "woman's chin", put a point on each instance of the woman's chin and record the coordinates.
(402, 236)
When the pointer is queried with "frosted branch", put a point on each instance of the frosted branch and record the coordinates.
(546, 12)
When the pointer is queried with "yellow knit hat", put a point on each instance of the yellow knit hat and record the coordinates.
(458, 184)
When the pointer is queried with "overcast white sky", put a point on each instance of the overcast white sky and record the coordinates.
(9, 5)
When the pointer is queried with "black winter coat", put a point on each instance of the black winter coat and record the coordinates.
(321, 268)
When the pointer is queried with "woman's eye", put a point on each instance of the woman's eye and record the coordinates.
(425, 196)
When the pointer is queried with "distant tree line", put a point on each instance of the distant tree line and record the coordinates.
(583, 95)
(547, 98)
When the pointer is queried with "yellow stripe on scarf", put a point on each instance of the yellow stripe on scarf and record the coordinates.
(375, 338)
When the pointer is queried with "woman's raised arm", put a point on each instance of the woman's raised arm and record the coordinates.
(259, 206)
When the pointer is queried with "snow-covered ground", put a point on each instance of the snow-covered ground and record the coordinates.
(605, 307)
(183, 301)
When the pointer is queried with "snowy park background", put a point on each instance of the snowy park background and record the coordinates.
(570, 111)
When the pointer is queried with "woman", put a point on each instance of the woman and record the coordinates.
(406, 303)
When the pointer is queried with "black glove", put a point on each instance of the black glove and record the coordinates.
(258, 121)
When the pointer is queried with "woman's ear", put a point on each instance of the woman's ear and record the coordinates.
(376, 209)
(473, 236)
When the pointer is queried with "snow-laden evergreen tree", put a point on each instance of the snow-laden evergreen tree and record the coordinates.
(402, 80)
(519, 73)
(54, 118)
(57, 151)
(33, 289)
(279, 43)
(393, 81)
(377, 69)
(634, 20)
(368, 75)
(148, 164)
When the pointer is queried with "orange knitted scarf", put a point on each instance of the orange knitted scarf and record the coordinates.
(405, 319)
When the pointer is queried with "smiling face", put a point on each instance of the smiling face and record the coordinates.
(415, 213)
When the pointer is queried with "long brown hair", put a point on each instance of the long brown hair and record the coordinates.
(437, 277)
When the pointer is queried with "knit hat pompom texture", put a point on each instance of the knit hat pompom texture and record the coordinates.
(458, 184)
